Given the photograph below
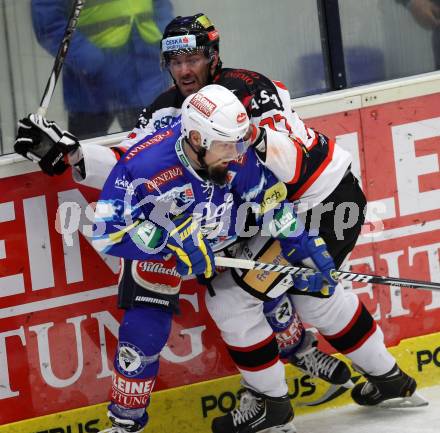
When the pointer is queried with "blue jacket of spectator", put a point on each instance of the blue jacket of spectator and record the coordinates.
(97, 79)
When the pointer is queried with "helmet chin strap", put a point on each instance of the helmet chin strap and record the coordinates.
(201, 153)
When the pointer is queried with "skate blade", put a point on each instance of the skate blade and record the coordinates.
(349, 384)
(415, 400)
(286, 428)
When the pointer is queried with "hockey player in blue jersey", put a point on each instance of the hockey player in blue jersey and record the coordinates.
(213, 177)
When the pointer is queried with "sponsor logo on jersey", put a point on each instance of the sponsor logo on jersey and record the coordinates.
(146, 144)
(274, 195)
(243, 75)
(203, 104)
(264, 275)
(131, 393)
(157, 276)
(147, 235)
(175, 43)
(180, 195)
(124, 184)
(163, 178)
(283, 223)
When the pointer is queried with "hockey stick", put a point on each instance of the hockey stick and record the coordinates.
(60, 57)
(229, 262)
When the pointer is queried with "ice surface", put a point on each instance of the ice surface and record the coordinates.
(356, 419)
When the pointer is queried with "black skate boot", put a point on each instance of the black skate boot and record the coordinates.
(309, 359)
(393, 389)
(257, 413)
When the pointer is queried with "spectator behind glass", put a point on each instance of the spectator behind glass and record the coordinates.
(112, 69)
(427, 14)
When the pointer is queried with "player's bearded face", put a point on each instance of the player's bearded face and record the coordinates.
(218, 172)
(217, 159)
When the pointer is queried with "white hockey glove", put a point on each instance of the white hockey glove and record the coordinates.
(42, 141)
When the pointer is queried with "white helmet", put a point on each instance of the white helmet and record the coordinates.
(216, 113)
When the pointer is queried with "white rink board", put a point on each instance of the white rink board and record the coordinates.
(306, 107)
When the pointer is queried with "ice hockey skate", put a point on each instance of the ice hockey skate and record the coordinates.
(310, 360)
(121, 425)
(257, 413)
(115, 429)
(393, 389)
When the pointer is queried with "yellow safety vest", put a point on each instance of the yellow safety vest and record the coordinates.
(108, 23)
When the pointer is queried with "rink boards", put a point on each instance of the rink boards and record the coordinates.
(58, 319)
(190, 408)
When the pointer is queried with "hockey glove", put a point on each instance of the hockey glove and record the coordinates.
(312, 282)
(42, 141)
(194, 255)
(311, 251)
(298, 247)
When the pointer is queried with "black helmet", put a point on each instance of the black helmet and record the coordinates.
(187, 34)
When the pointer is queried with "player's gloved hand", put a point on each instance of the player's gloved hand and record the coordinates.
(311, 251)
(194, 255)
(300, 248)
(42, 141)
(313, 282)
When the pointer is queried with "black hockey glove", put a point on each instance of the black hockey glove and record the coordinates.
(42, 141)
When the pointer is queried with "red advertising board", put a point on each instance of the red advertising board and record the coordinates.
(58, 315)
(396, 151)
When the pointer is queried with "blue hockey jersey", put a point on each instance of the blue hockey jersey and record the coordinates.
(154, 181)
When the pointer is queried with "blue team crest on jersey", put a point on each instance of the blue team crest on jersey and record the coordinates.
(180, 196)
(131, 361)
